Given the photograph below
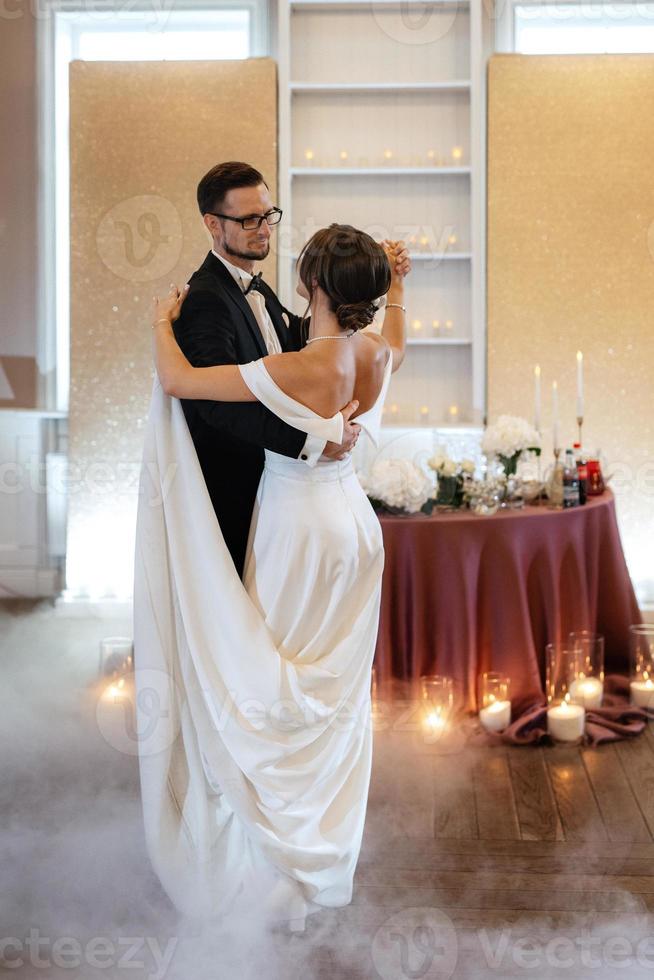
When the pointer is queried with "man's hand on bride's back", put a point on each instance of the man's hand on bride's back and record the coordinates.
(351, 430)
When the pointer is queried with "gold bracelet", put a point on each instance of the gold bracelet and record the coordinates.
(162, 319)
(397, 306)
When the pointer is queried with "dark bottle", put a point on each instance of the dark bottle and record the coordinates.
(570, 481)
(582, 472)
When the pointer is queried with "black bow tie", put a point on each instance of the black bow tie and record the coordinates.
(255, 283)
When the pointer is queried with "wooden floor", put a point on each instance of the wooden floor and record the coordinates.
(467, 852)
(487, 847)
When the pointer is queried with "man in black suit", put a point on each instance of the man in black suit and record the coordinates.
(224, 322)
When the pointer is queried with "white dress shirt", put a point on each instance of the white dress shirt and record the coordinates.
(313, 447)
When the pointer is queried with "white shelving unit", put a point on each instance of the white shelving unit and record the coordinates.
(382, 125)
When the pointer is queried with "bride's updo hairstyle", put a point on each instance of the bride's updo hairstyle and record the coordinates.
(350, 268)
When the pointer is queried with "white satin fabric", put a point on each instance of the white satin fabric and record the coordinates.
(253, 697)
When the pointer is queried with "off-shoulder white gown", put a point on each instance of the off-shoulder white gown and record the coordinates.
(253, 697)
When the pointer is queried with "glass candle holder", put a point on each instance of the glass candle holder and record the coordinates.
(565, 718)
(641, 652)
(586, 683)
(493, 700)
(116, 656)
(437, 695)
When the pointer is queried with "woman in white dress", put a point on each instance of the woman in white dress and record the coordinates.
(253, 697)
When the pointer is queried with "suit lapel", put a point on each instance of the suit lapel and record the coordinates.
(275, 313)
(235, 294)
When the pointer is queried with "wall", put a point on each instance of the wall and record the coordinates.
(142, 135)
(19, 228)
(571, 261)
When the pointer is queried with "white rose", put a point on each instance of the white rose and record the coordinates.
(509, 435)
(398, 483)
(436, 461)
(468, 466)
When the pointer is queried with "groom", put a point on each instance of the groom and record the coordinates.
(227, 318)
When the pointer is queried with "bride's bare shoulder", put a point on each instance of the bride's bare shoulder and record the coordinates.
(378, 346)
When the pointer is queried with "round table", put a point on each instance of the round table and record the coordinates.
(464, 593)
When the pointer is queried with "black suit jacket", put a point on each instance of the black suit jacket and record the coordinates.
(217, 326)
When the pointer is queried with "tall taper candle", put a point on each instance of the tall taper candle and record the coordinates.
(537, 402)
(555, 414)
(580, 385)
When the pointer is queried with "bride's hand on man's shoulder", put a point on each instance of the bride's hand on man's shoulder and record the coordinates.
(170, 307)
(399, 258)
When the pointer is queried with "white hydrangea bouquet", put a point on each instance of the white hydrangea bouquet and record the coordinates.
(397, 485)
(451, 476)
(507, 439)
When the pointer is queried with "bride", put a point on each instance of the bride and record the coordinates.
(253, 696)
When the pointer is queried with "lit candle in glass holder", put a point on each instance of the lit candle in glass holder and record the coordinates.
(565, 718)
(436, 326)
(494, 703)
(565, 721)
(116, 656)
(416, 327)
(424, 414)
(309, 156)
(343, 156)
(641, 650)
(642, 692)
(437, 695)
(453, 413)
(449, 324)
(114, 692)
(424, 241)
(395, 412)
(452, 240)
(431, 156)
(457, 152)
(587, 681)
(388, 155)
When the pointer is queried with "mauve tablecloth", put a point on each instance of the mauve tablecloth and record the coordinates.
(463, 594)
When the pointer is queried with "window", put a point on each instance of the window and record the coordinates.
(194, 30)
(566, 28)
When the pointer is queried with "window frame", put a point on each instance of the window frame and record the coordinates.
(505, 25)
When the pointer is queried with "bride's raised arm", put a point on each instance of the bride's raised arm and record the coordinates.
(178, 377)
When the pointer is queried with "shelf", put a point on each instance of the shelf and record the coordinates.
(423, 256)
(439, 341)
(366, 4)
(440, 256)
(364, 77)
(400, 87)
(379, 171)
(470, 428)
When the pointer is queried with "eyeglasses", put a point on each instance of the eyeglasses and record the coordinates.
(252, 222)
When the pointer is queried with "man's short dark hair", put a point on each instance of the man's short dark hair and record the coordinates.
(222, 178)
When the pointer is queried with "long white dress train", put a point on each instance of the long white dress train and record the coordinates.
(253, 697)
